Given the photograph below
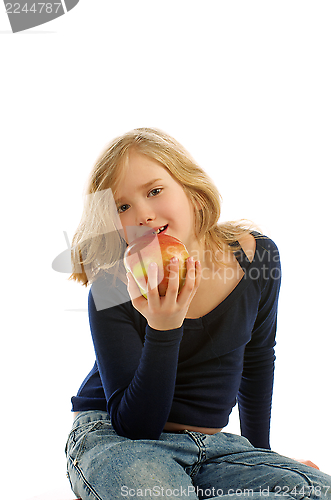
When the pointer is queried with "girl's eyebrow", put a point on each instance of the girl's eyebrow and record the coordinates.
(140, 188)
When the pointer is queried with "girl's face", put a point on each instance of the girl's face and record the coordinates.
(149, 198)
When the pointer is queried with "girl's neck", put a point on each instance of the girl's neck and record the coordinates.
(207, 255)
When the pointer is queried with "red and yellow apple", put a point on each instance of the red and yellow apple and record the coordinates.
(159, 248)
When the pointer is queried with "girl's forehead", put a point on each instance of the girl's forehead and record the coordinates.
(139, 166)
(141, 175)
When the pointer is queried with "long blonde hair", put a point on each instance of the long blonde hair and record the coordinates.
(99, 246)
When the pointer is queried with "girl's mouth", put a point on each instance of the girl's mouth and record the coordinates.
(161, 229)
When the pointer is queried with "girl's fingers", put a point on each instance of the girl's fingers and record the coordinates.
(191, 273)
(173, 281)
(152, 284)
(198, 274)
(134, 291)
(152, 273)
(192, 280)
(133, 288)
(154, 301)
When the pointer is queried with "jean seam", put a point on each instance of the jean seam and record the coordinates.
(278, 466)
(300, 473)
(81, 448)
(79, 472)
(198, 439)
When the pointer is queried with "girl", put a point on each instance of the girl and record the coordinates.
(168, 371)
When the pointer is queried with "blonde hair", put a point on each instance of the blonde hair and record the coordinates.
(99, 246)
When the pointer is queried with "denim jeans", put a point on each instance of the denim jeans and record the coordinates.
(105, 466)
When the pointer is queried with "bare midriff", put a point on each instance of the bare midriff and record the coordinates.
(173, 427)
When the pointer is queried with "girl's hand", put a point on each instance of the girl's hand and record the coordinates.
(168, 312)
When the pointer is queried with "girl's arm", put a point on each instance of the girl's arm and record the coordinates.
(255, 393)
(138, 375)
(138, 372)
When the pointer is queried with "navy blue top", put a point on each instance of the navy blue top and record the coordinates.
(194, 374)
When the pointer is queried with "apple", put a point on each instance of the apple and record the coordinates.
(159, 248)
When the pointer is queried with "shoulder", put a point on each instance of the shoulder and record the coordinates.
(248, 244)
(266, 248)
(266, 260)
(260, 250)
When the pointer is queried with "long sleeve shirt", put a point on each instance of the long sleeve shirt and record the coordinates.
(194, 374)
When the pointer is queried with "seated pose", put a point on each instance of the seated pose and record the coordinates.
(169, 369)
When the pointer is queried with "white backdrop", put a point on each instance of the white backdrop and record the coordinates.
(245, 86)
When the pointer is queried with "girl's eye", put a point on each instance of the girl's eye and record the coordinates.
(155, 191)
(122, 208)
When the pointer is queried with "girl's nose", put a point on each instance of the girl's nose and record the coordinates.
(144, 215)
(145, 222)
(145, 219)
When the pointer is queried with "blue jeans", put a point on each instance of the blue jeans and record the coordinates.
(105, 466)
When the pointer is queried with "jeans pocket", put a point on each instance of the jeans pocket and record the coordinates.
(77, 438)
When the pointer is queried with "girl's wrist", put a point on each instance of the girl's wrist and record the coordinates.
(166, 333)
(164, 327)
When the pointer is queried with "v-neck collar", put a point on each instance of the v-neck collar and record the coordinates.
(225, 304)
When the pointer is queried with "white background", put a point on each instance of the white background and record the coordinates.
(245, 86)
